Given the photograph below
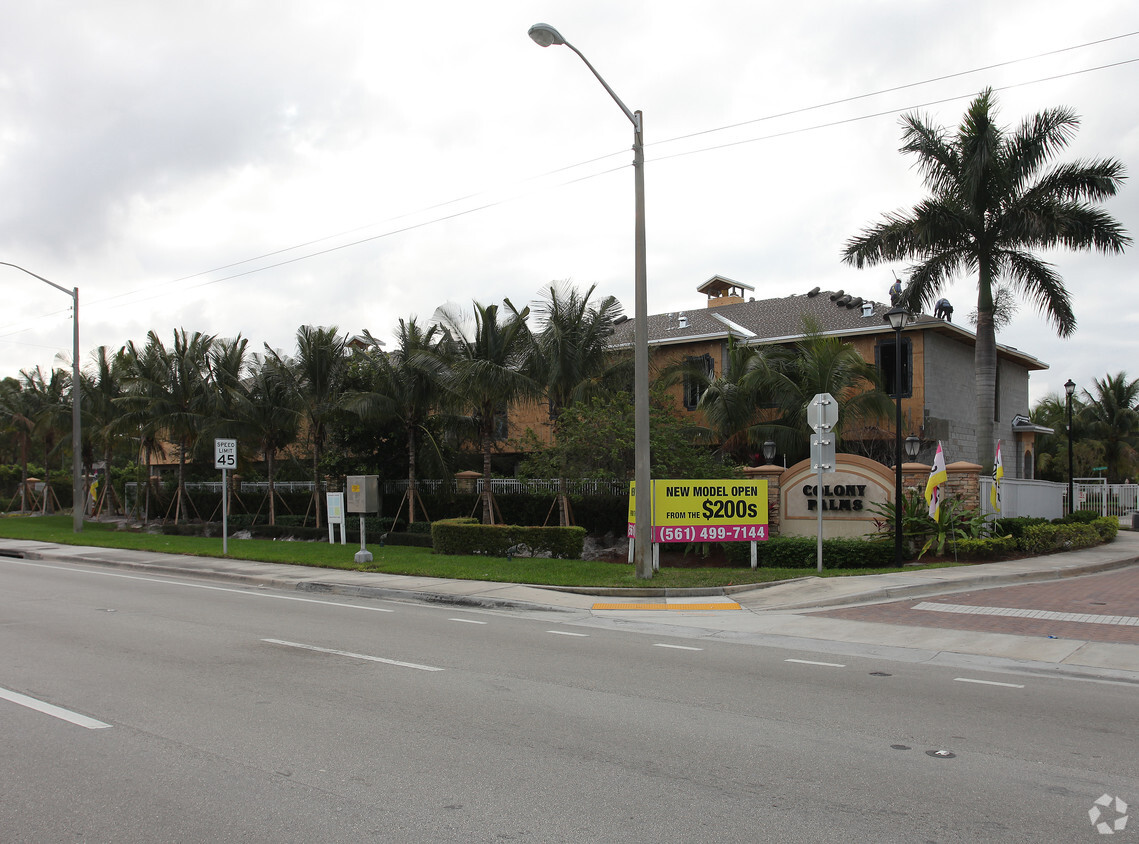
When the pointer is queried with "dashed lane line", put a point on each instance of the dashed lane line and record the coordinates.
(52, 710)
(367, 657)
(987, 682)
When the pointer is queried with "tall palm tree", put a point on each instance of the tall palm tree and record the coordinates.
(51, 416)
(992, 200)
(144, 379)
(17, 411)
(405, 391)
(315, 375)
(228, 367)
(485, 369)
(1112, 417)
(102, 387)
(570, 357)
(271, 415)
(171, 396)
(786, 377)
(730, 401)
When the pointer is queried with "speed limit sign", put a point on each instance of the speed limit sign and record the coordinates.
(225, 454)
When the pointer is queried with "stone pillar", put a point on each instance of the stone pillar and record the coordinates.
(963, 484)
(772, 475)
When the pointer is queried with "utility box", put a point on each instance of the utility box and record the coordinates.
(363, 494)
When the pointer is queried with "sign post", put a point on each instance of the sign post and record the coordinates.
(225, 457)
(822, 415)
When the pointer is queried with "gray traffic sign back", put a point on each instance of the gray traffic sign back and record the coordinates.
(822, 411)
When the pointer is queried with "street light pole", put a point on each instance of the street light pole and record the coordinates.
(544, 35)
(77, 489)
(1069, 388)
(897, 318)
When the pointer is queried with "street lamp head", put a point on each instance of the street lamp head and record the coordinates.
(1069, 387)
(913, 446)
(544, 35)
(897, 318)
(769, 451)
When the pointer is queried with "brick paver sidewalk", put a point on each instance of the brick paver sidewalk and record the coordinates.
(1107, 606)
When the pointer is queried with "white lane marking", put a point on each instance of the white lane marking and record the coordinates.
(1045, 615)
(676, 647)
(466, 621)
(988, 682)
(564, 633)
(53, 711)
(352, 655)
(812, 662)
(172, 582)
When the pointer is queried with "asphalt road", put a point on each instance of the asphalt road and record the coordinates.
(256, 715)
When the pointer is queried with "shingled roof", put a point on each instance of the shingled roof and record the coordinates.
(777, 320)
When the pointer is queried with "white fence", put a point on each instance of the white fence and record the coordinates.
(1108, 499)
(1049, 499)
(1044, 499)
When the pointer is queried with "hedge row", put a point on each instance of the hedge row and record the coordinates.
(465, 536)
(796, 552)
(1039, 536)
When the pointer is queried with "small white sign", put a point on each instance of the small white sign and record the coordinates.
(225, 454)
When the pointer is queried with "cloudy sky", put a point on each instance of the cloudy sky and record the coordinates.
(249, 167)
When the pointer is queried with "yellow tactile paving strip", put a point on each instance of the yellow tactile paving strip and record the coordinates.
(717, 606)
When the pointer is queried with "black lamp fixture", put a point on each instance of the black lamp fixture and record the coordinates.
(1069, 389)
(768, 451)
(912, 446)
(898, 317)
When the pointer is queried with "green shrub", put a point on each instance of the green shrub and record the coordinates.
(986, 549)
(1107, 528)
(1079, 517)
(1038, 539)
(797, 552)
(1015, 526)
(1072, 536)
(464, 536)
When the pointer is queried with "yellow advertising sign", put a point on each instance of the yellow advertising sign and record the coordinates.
(706, 510)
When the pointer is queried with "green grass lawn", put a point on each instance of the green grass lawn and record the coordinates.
(402, 559)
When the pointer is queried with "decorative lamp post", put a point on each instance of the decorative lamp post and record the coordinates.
(897, 318)
(1069, 389)
(768, 451)
(544, 35)
(913, 446)
(77, 490)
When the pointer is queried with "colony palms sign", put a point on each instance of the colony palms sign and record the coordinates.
(848, 497)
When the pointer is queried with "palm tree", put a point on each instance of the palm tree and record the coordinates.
(1112, 418)
(405, 391)
(170, 395)
(102, 388)
(730, 401)
(50, 414)
(17, 411)
(570, 357)
(484, 369)
(143, 379)
(271, 416)
(991, 202)
(314, 376)
(786, 377)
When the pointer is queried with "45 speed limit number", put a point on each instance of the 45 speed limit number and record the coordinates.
(709, 511)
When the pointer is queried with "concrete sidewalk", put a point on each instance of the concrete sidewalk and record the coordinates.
(777, 614)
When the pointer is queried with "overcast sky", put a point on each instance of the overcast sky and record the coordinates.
(249, 167)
